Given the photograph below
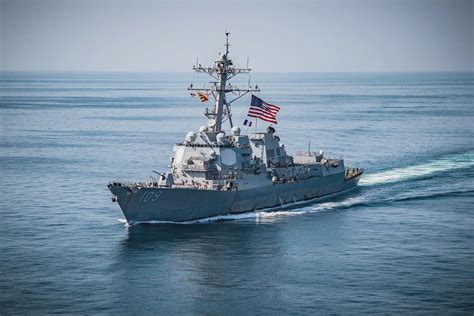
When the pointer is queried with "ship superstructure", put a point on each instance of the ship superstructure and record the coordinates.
(215, 173)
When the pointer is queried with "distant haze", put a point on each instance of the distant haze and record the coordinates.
(282, 36)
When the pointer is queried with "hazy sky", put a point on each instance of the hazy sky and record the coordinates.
(365, 35)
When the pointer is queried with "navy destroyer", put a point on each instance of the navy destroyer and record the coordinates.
(216, 172)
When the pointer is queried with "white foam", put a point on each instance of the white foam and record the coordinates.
(446, 163)
(270, 214)
(124, 222)
(257, 216)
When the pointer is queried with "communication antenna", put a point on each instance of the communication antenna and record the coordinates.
(222, 71)
(227, 42)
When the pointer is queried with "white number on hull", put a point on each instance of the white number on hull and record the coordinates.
(150, 197)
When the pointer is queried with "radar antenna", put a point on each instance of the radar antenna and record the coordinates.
(222, 71)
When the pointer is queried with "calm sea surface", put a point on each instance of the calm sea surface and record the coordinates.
(401, 243)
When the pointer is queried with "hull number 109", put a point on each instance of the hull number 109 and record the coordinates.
(150, 197)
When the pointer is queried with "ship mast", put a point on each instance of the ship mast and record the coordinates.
(222, 71)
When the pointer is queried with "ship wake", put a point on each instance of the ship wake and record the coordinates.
(446, 163)
(270, 214)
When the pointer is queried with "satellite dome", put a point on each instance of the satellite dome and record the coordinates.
(191, 137)
(203, 129)
(211, 123)
(235, 131)
(220, 138)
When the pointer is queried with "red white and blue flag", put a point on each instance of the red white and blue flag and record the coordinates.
(263, 110)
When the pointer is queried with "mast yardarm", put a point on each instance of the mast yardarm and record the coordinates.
(222, 71)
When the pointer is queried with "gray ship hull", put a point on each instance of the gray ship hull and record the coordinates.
(183, 204)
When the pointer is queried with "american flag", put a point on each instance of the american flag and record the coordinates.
(263, 110)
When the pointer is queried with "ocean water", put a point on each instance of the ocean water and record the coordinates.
(403, 242)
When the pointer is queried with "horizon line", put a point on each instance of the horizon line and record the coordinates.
(254, 72)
